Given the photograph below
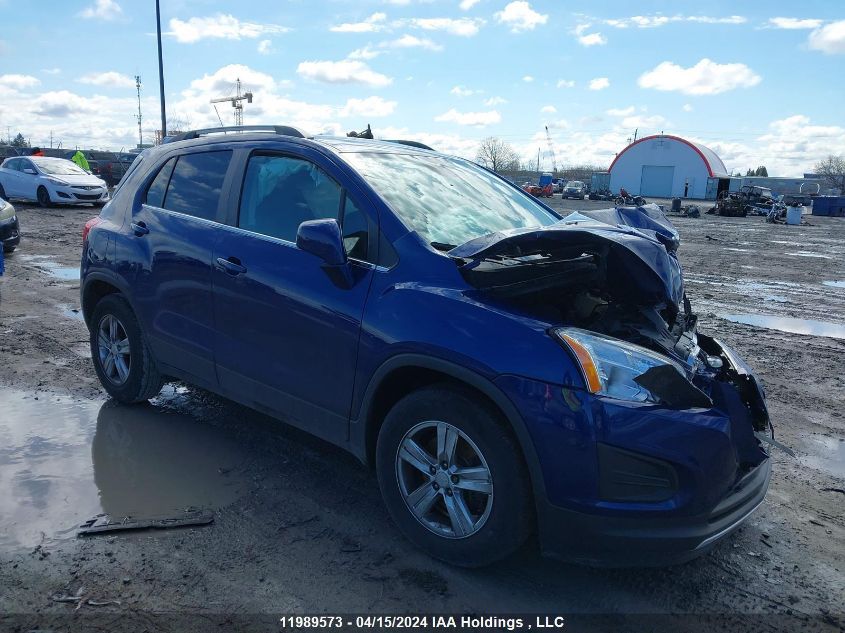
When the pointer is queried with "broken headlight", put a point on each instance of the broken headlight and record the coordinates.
(611, 367)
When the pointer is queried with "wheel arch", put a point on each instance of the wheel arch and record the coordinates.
(404, 373)
(95, 287)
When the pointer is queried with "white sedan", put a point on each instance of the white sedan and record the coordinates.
(50, 181)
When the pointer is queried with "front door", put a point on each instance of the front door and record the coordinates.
(287, 335)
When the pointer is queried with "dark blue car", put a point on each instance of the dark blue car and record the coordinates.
(505, 370)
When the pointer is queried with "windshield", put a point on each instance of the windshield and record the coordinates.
(575, 183)
(59, 167)
(448, 201)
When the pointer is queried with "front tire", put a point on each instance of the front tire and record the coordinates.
(122, 359)
(43, 197)
(452, 477)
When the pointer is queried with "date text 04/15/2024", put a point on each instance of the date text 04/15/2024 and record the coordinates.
(446, 622)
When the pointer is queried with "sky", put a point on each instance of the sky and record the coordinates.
(759, 83)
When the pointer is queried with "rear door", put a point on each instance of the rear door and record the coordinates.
(287, 335)
(11, 177)
(175, 228)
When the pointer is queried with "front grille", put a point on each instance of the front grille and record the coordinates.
(86, 196)
(87, 187)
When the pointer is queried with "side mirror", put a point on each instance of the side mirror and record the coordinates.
(323, 239)
(30, 171)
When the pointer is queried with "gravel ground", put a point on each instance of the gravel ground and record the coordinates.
(299, 525)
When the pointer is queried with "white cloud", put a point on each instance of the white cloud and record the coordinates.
(621, 111)
(102, 10)
(653, 21)
(462, 91)
(51, 71)
(463, 27)
(410, 41)
(528, 79)
(793, 23)
(592, 39)
(373, 23)
(599, 83)
(705, 78)
(829, 39)
(220, 26)
(265, 47)
(111, 78)
(550, 109)
(688, 107)
(520, 17)
(342, 72)
(18, 82)
(466, 5)
(368, 52)
(469, 118)
(560, 124)
(565, 83)
(369, 107)
(492, 102)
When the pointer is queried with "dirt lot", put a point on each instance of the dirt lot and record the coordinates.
(299, 525)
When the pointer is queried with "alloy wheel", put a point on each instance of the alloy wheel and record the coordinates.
(444, 479)
(113, 349)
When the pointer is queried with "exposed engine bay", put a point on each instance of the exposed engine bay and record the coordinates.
(615, 272)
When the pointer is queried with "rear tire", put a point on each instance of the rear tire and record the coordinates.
(9, 249)
(456, 519)
(3, 193)
(120, 353)
(43, 197)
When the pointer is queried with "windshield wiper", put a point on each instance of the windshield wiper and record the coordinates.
(441, 246)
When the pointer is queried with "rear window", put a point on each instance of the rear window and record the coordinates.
(196, 183)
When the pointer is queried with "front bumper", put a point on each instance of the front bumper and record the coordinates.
(79, 195)
(10, 235)
(640, 484)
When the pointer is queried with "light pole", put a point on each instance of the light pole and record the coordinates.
(161, 73)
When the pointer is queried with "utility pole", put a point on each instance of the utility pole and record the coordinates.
(51, 139)
(138, 116)
(538, 160)
(160, 74)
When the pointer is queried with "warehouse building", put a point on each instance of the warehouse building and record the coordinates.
(664, 166)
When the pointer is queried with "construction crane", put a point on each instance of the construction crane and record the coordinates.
(237, 102)
(551, 150)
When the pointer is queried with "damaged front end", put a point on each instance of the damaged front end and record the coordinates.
(613, 280)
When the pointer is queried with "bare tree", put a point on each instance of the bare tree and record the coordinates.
(832, 171)
(496, 154)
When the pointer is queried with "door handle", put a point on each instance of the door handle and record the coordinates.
(139, 228)
(232, 265)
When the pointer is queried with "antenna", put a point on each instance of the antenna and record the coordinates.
(237, 103)
(138, 116)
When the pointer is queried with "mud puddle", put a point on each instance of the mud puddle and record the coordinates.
(789, 324)
(826, 453)
(47, 265)
(834, 284)
(70, 313)
(63, 461)
(809, 254)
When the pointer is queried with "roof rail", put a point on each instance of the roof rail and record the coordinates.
(282, 130)
(410, 143)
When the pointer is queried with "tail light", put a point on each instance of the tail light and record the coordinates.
(90, 224)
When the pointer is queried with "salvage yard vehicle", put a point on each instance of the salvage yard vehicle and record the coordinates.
(50, 181)
(575, 189)
(10, 233)
(505, 370)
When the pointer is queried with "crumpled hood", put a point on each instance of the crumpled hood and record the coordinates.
(633, 250)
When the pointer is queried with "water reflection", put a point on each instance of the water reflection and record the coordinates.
(63, 461)
(789, 324)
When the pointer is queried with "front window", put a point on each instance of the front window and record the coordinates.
(59, 167)
(448, 201)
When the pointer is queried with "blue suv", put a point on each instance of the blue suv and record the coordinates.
(507, 371)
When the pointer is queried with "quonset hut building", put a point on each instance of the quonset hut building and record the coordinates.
(664, 166)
